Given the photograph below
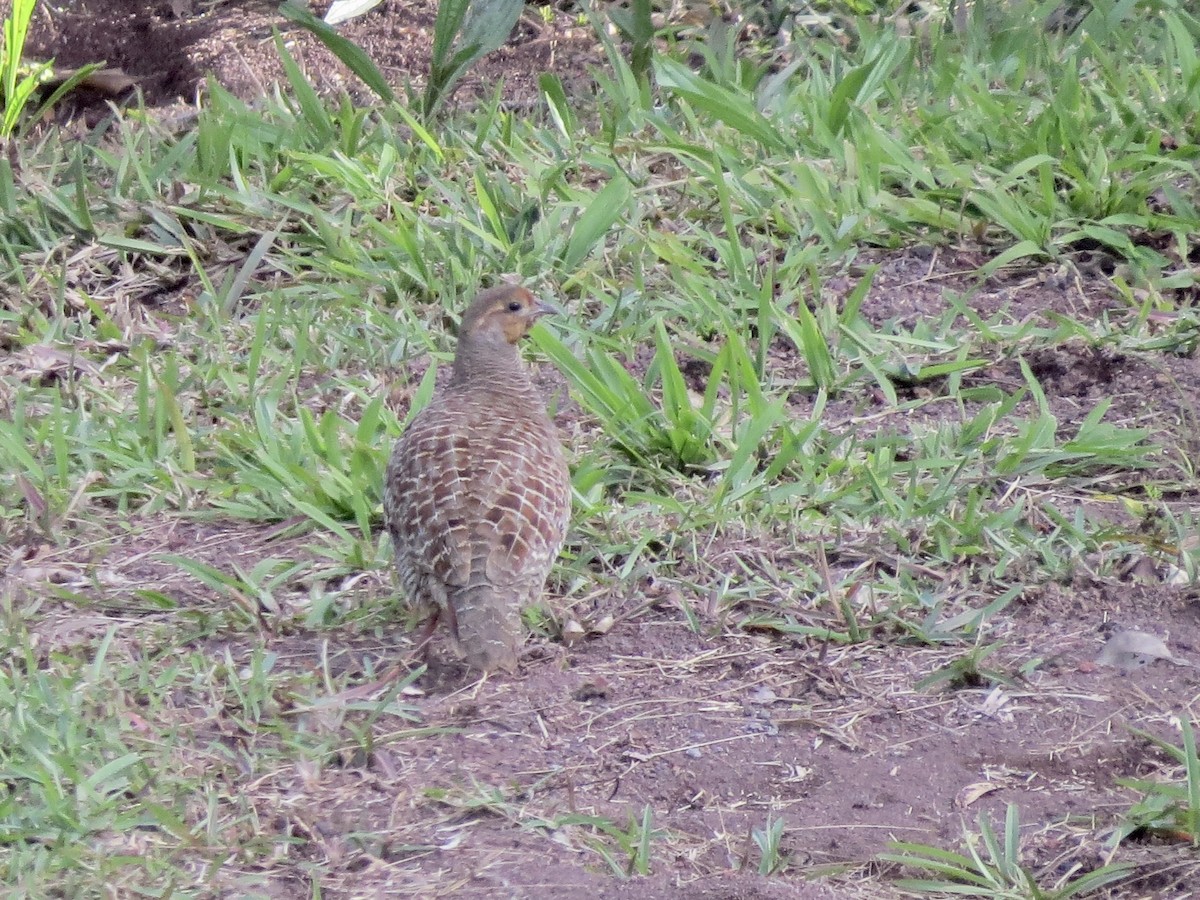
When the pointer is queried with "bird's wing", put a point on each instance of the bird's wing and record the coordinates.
(430, 468)
(485, 491)
(523, 513)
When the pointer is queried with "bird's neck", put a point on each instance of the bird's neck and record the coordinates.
(483, 363)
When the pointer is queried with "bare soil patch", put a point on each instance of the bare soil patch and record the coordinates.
(172, 47)
(492, 789)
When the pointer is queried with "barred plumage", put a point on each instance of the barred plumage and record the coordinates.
(478, 494)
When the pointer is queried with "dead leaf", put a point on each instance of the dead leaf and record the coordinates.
(973, 792)
(342, 10)
(38, 566)
(63, 632)
(994, 703)
(1176, 576)
(110, 82)
(1141, 570)
(1130, 650)
(763, 696)
(40, 362)
(310, 773)
(37, 504)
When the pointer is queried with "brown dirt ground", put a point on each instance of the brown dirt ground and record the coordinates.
(170, 47)
(715, 728)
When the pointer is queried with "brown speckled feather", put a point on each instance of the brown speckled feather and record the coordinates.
(478, 493)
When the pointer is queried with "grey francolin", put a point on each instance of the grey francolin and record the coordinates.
(478, 494)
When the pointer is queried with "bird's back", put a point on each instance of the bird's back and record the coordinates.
(478, 498)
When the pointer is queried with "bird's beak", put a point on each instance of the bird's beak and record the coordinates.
(545, 308)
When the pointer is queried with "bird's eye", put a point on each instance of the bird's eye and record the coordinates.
(514, 306)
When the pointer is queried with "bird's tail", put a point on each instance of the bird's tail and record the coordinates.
(489, 628)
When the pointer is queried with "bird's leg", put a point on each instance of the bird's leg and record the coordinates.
(452, 616)
(426, 635)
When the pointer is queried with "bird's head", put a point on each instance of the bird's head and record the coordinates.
(502, 314)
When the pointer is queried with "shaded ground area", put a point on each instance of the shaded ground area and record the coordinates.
(171, 47)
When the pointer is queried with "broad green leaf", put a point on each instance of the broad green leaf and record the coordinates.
(738, 111)
(604, 209)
